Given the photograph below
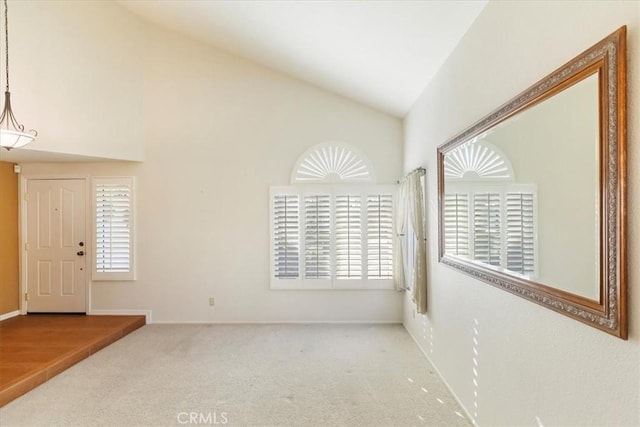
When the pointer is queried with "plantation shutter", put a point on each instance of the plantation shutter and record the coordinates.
(317, 237)
(380, 236)
(456, 224)
(113, 204)
(286, 236)
(323, 237)
(520, 233)
(487, 228)
(348, 236)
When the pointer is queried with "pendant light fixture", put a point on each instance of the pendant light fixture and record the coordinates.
(12, 134)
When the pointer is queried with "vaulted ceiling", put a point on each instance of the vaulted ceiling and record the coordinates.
(379, 53)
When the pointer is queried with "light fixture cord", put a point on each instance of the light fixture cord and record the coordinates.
(6, 39)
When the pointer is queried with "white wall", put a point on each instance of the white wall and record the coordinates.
(533, 365)
(218, 131)
(76, 70)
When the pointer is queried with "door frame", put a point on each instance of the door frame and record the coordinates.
(22, 224)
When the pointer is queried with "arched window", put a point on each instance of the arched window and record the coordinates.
(332, 228)
(488, 216)
(332, 162)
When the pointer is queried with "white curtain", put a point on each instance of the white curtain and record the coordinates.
(400, 258)
(415, 198)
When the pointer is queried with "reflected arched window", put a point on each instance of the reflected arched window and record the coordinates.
(488, 216)
(478, 161)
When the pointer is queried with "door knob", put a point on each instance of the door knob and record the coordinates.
(80, 253)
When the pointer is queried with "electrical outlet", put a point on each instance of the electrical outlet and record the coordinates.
(212, 301)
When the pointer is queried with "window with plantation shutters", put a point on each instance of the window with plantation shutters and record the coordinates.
(348, 236)
(488, 216)
(332, 237)
(317, 237)
(286, 236)
(520, 233)
(332, 228)
(456, 224)
(498, 228)
(380, 236)
(487, 228)
(114, 232)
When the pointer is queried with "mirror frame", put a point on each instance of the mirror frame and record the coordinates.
(608, 59)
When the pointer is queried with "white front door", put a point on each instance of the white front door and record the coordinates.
(56, 245)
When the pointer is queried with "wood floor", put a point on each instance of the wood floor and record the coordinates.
(35, 348)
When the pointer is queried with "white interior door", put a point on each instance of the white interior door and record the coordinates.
(56, 245)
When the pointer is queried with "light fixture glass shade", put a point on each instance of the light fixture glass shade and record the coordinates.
(14, 139)
(12, 134)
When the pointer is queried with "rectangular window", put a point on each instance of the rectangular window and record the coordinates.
(326, 237)
(520, 233)
(380, 236)
(114, 228)
(348, 237)
(487, 228)
(286, 236)
(498, 229)
(317, 237)
(456, 224)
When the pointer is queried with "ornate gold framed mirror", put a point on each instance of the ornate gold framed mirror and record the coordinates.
(532, 197)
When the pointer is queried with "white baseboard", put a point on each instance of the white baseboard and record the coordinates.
(455, 396)
(275, 322)
(145, 313)
(9, 315)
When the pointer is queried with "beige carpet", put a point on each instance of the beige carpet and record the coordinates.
(246, 375)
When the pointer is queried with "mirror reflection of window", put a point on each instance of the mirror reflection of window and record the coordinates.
(566, 138)
(456, 224)
(488, 217)
(487, 228)
(520, 233)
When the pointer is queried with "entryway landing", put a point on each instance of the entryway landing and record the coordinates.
(36, 347)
